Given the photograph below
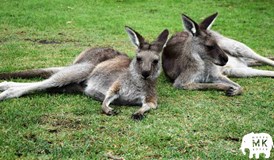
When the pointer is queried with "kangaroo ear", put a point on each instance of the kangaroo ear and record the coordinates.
(135, 37)
(161, 39)
(208, 22)
(190, 25)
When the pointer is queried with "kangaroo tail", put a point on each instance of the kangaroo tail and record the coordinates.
(33, 73)
(244, 51)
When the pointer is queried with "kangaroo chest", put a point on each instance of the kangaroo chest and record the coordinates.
(131, 93)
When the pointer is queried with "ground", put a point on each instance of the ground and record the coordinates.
(187, 124)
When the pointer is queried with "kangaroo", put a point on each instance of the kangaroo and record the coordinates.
(192, 59)
(103, 74)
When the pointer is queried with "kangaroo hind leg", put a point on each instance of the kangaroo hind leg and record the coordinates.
(72, 74)
(219, 83)
(238, 49)
(150, 102)
(247, 72)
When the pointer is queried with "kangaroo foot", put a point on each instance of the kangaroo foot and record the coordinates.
(233, 91)
(108, 111)
(137, 116)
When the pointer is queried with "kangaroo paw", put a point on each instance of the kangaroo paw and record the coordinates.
(11, 93)
(112, 113)
(4, 86)
(137, 116)
(109, 112)
(233, 91)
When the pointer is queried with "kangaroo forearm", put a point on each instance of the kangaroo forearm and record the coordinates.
(108, 99)
(151, 101)
(224, 79)
(111, 95)
(206, 86)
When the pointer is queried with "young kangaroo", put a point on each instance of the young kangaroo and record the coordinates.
(192, 59)
(102, 73)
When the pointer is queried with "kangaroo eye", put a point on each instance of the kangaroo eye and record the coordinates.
(139, 59)
(155, 61)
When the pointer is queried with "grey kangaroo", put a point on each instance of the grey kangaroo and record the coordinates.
(191, 59)
(102, 73)
(200, 58)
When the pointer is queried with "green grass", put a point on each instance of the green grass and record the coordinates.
(187, 124)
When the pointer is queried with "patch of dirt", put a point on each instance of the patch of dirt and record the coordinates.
(59, 122)
(34, 144)
(53, 130)
(186, 149)
(152, 10)
(18, 153)
(155, 156)
(31, 137)
(21, 32)
(48, 42)
(3, 40)
(43, 41)
(236, 139)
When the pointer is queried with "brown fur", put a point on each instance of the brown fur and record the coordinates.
(95, 56)
(151, 99)
(117, 63)
(115, 87)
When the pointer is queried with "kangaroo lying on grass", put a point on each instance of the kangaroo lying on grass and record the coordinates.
(200, 59)
(102, 73)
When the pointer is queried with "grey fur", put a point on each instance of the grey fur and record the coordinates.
(102, 73)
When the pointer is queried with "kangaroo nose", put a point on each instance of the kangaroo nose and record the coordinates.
(145, 74)
(224, 60)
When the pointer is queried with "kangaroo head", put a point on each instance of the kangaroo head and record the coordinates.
(202, 41)
(146, 64)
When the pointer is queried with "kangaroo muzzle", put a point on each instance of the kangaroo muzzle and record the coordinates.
(145, 74)
(223, 60)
